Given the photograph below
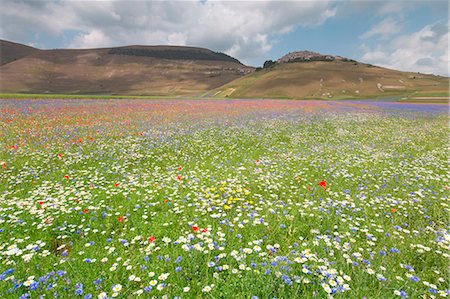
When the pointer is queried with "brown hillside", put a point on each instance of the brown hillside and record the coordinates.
(10, 51)
(146, 70)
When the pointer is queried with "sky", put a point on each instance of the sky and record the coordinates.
(404, 35)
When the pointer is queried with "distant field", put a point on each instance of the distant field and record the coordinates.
(420, 99)
(71, 96)
(125, 198)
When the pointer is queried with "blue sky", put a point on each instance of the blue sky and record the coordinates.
(404, 35)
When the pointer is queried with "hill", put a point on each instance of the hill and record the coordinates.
(306, 74)
(134, 70)
(173, 70)
(10, 51)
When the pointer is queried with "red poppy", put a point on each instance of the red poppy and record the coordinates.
(120, 219)
(60, 155)
(204, 230)
(4, 166)
(166, 200)
(179, 177)
(393, 210)
(322, 184)
(116, 184)
(151, 239)
(40, 202)
(180, 168)
(195, 228)
(47, 221)
(66, 176)
(309, 188)
(85, 210)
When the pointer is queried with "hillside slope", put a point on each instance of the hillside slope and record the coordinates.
(334, 79)
(133, 70)
(10, 51)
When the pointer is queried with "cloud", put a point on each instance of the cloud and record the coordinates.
(396, 8)
(244, 29)
(384, 29)
(425, 51)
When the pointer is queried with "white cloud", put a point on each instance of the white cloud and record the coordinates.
(244, 29)
(376, 55)
(94, 39)
(384, 29)
(426, 51)
(396, 8)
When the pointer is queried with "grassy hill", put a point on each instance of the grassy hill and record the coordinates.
(133, 70)
(337, 79)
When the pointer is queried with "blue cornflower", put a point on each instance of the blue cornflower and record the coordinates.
(414, 278)
(409, 268)
(61, 273)
(97, 281)
(34, 285)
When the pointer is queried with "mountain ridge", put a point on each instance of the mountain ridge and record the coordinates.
(162, 70)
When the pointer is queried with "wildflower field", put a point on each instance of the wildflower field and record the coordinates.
(223, 199)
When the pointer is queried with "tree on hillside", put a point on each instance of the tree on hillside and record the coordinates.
(269, 64)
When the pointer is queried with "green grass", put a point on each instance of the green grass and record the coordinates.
(78, 96)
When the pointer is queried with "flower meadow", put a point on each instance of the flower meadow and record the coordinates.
(223, 199)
